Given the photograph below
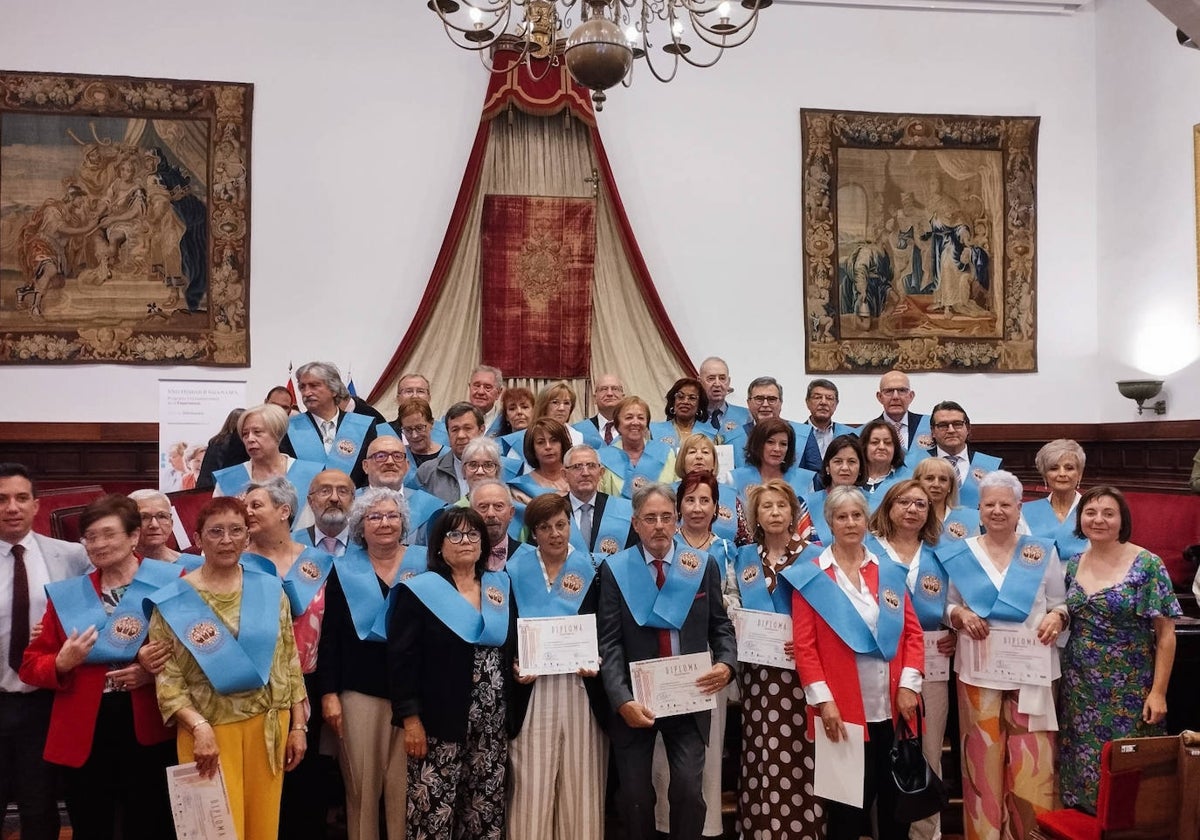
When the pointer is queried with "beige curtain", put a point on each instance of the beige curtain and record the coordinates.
(551, 156)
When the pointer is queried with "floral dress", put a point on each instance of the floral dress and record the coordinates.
(1108, 669)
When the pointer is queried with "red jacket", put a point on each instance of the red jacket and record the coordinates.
(77, 696)
(822, 656)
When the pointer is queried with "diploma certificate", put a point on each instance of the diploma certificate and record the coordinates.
(937, 665)
(557, 645)
(200, 806)
(1008, 654)
(761, 637)
(667, 686)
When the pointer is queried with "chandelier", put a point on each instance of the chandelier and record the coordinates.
(600, 39)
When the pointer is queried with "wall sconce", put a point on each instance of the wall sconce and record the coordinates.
(1140, 390)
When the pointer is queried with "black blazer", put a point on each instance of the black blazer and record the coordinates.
(344, 661)
(599, 501)
(518, 704)
(913, 421)
(430, 668)
(622, 640)
(361, 407)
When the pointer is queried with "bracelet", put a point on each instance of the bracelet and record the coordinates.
(301, 728)
(200, 722)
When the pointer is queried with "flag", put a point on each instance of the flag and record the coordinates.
(291, 388)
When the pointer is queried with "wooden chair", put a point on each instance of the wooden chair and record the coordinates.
(1141, 790)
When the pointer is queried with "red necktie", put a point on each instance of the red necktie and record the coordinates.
(664, 636)
(18, 638)
(608, 432)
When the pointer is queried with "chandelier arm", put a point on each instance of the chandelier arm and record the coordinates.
(723, 44)
(503, 17)
(654, 72)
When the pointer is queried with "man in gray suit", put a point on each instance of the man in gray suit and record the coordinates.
(443, 476)
(689, 589)
(28, 561)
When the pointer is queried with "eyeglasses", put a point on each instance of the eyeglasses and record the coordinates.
(159, 517)
(329, 492)
(102, 536)
(687, 398)
(657, 518)
(415, 430)
(945, 425)
(457, 537)
(481, 466)
(383, 457)
(377, 518)
(764, 399)
(218, 534)
(918, 504)
(413, 392)
(586, 466)
(895, 392)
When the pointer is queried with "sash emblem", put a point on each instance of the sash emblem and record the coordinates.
(495, 596)
(206, 635)
(978, 473)
(724, 513)
(668, 440)
(930, 585)
(925, 441)
(689, 562)
(1031, 555)
(640, 481)
(408, 574)
(346, 446)
(891, 599)
(609, 545)
(572, 583)
(957, 530)
(127, 628)
(750, 574)
(310, 570)
(730, 426)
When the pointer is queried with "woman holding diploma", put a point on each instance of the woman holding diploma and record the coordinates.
(105, 714)
(860, 654)
(232, 683)
(559, 753)
(270, 510)
(261, 429)
(352, 664)
(905, 529)
(775, 793)
(450, 658)
(1003, 581)
(1117, 663)
(940, 480)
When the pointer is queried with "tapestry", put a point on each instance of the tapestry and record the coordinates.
(124, 220)
(536, 270)
(920, 245)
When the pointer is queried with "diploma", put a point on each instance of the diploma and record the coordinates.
(200, 806)
(761, 637)
(937, 665)
(1008, 655)
(667, 686)
(841, 767)
(557, 645)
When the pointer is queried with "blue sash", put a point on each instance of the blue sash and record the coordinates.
(346, 451)
(513, 442)
(234, 480)
(752, 582)
(528, 485)
(421, 507)
(189, 562)
(725, 525)
(930, 588)
(798, 478)
(1043, 522)
(369, 607)
(736, 435)
(1015, 597)
(565, 595)
(816, 511)
(591, 433)
(824, 595)
(232, 663)
(981, 465)
(666, 608)
(613, 531)
(875, 494)
(649, 466)
(961, 523)
(303, 580)
(488, 626)
(920, 441)
(385, 430)
(121, 634)
(666, 434)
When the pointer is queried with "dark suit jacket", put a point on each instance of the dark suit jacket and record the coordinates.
(357, 475)
(598, 503)
(438, 478)
(622, 640)
(361, 407)
(913, 420)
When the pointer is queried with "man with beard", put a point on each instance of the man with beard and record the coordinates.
(330, 496)
(386, 465)
(492, 500)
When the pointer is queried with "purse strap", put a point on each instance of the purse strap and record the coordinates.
(902, 730)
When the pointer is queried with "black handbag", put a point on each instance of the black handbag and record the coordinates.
(921, 792)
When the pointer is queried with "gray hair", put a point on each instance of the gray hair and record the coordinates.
(764, 382)
(366, 500)
(149, 494)
(274, 418)
(1053, 452)
(493, 482)
(279, 490)
(494, 371)
(1004, 479)
(648, 492)
(328, 373)
(844, 494)
(580, 448)
(482, 448)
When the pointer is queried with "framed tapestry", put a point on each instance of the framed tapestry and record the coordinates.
(920, 242)
(124, 220)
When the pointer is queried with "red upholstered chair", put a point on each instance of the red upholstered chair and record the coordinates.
(187, 504)
(1139, 796)
(58, 507)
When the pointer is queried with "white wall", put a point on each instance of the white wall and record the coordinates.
(361, 135)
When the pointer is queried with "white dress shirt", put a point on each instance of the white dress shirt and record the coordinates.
(961, 464)
(38, 575)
